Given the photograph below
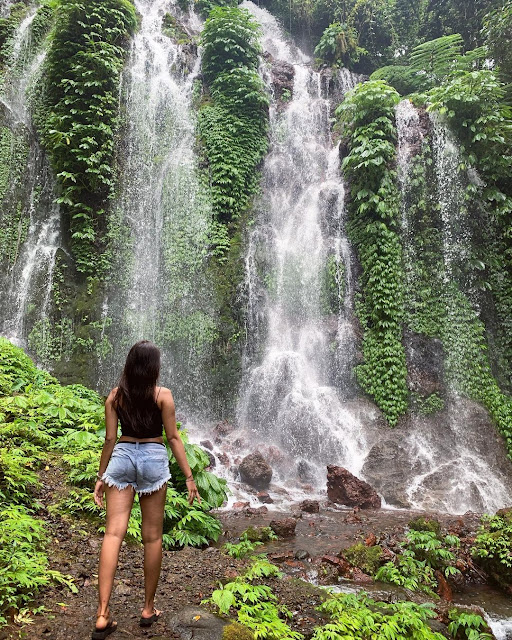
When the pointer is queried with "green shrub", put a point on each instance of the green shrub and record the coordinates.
(339, 45)
(466, 625)
(23, 563)
(358, 617)
(493, 547)
(256, 606)
(424, 552)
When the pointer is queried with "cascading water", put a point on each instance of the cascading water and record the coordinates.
(163, 213)
(454, 463)
(297, 252)
(28, 198)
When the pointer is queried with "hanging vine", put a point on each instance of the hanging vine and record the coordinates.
(367, 119)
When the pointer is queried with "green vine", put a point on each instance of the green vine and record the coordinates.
(367, 118)
(85, 58)
(233, 120)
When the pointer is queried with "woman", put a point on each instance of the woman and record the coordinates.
(138, 463)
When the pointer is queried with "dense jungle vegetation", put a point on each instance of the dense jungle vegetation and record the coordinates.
(451, 58)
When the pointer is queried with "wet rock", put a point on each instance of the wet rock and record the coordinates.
(206, 444)
(344, 488)
(306, 471)
(212, 459)
(280, 556)
(284, 528)
(301, 554)
(223, 459)
(254, 511)
(425, 358)
(222, 429)
(360, 576)
(282, 79)
(310, 506)
(197, 623)
(264, 497)
(371, 540)
(255, 470)
(389, 469)
(241, 505)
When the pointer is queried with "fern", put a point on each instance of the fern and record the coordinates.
(436, 58)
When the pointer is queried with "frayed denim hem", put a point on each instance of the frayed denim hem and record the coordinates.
(118, 485)
(157, 487)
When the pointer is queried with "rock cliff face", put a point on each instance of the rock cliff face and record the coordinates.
(437, 461)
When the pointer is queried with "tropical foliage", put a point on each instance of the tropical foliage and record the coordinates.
(367, 120)
(43, 422)
(87, 52)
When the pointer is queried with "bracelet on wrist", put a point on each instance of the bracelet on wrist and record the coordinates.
(99, 476)
(189, 478)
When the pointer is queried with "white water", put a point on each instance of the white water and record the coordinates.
(295, 347)
(28, 282)
(455, 466)
(160, 293)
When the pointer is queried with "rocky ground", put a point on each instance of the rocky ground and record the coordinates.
(308, 552)
(190, 575)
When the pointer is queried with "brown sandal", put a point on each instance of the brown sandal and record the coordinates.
(101, 634)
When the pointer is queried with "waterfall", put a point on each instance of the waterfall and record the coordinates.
(28, 200)
(454, 460)
(297, 343)
(160, 290)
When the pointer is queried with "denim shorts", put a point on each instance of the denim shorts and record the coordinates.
(142, 465)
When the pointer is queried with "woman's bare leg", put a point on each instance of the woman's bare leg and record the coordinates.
(119, 506)
(152, 508)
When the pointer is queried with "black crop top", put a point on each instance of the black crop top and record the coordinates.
(156, 427)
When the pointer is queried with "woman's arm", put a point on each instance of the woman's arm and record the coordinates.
(108, 445)
(174, 438)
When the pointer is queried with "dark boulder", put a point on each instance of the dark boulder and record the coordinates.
(344, 488)
(255, 470)
(282, 79)
(284, 528)
(310, 506)
(264, 497)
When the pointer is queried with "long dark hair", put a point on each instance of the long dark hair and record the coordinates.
(135, 395)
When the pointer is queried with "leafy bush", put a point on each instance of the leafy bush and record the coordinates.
(256, 606)
(424, 552)
(242, 548)
(358, 617)
(401, 77)
(493, 547)
(23, 563)
(17, 370)
(367, 121)
(467, 625)
(338, 45)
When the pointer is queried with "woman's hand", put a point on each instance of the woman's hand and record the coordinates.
(99, 490)
(193, 493)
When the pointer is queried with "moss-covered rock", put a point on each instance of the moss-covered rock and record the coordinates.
(236, 631)
(369, 559)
